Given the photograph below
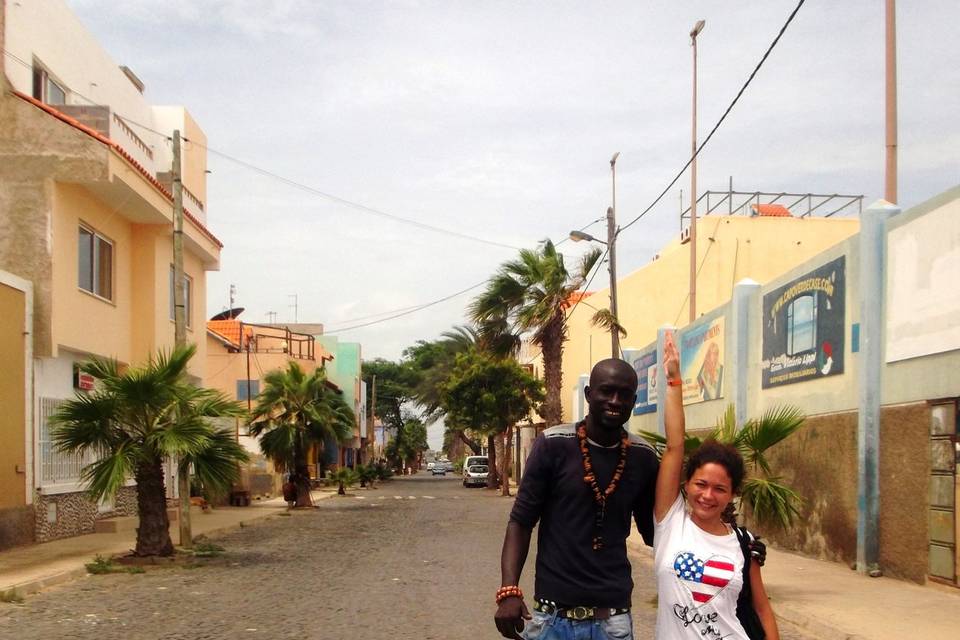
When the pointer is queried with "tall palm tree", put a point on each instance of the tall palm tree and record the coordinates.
(531, 294)
(294, 412)
(770, 501)
(135, 420)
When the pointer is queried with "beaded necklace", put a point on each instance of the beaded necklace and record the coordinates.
(600, 497)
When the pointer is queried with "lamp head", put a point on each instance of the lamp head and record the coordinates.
(697, 28)
(577, 236)
(613, 160)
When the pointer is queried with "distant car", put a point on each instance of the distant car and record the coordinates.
(431, 466)
(439, 470)
(476, 476)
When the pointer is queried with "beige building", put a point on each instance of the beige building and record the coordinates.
(239, 356)
(729, 249)
(87, 221)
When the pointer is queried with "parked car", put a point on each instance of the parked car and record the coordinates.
(431, 466)
(472, 460)
(475, 476)
(438, 470)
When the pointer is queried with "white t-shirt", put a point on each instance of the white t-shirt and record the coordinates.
(699, 577)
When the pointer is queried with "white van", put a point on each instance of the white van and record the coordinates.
(475, 469)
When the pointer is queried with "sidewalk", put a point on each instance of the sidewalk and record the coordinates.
(829, 600)
(28, 569)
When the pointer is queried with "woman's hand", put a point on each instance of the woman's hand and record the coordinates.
(671, 357)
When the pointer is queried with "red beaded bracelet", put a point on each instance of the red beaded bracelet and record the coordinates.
(674, 382)
(512, 591)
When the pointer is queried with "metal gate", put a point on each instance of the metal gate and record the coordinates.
(943, 526)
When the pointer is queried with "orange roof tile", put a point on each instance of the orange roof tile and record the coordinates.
(229, 330)
(96, 135)
(576, 297)
(771, 210)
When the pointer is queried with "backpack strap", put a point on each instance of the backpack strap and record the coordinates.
(744, 537)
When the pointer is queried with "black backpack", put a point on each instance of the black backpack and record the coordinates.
(746, 614)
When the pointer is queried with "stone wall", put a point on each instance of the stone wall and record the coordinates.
(904, 490)
(65, 515)
(16, 526)
(820, 462)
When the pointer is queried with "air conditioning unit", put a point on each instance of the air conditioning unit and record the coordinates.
(685, 236)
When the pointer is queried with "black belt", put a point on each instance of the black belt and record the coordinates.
(577, 613)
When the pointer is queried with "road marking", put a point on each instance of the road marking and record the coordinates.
(411, 497)
(398, 497)
(428, 498)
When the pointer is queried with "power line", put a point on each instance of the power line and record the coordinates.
(720, 121)
(347, 203)
(293, 183)
(413, 310)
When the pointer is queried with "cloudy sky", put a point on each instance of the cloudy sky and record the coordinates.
(497, 120)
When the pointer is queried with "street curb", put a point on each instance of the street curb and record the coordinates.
(784, 611)
(36, 585)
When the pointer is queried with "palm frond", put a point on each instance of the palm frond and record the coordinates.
(216, 464)
(604, 319)
(104, 477)
(776, 424)
(771, 501)
(87, 422)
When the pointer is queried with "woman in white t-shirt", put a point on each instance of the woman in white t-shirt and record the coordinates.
(698, 558)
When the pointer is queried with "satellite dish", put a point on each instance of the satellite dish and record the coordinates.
(229, 314)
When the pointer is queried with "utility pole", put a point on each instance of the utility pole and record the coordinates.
(612, 250)
(295, 307)
(371, 427)
(180, 328)
(890, 178)
(697, 28)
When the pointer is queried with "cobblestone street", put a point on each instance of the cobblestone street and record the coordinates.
(415, 558)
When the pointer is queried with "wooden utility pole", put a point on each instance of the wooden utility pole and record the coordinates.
(180, 327)
(890, 177)
(372, 427)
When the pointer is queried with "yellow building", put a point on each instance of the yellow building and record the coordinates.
(729, 249)
(87, 222)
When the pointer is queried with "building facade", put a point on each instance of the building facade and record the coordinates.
(87, 219)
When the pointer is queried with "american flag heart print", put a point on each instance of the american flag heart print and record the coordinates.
(704, 579)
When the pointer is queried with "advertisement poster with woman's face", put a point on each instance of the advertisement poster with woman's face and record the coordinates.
(701, 362)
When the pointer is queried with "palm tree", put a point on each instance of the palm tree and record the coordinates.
(135, 420)
(531, 294)
(294, 412)
(770, 500)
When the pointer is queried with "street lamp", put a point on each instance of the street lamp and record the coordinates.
(611, 243)
(697, 28)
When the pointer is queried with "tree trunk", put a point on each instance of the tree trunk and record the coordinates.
(505, 473)
(301, 478)
(183, 484)
(153, 533)
(552, 345)
(491, 462)
(473, 444)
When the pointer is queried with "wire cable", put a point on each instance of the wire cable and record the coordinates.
(720, 121)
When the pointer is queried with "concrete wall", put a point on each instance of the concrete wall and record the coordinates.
(46, 30)
(730, 248)
(821, 460)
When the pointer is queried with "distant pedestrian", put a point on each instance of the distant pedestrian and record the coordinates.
(584, 483)
(699, 559)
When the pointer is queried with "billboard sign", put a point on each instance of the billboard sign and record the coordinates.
(803, 327)
(645, 364)
(701, 361)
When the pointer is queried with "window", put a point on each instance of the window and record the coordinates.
(46, 89)
(187, 296)
(242, 385)
(802, 324)
(95, 263)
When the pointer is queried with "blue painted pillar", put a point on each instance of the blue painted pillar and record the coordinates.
(872, 269)
(745, 297)
(661, 376)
